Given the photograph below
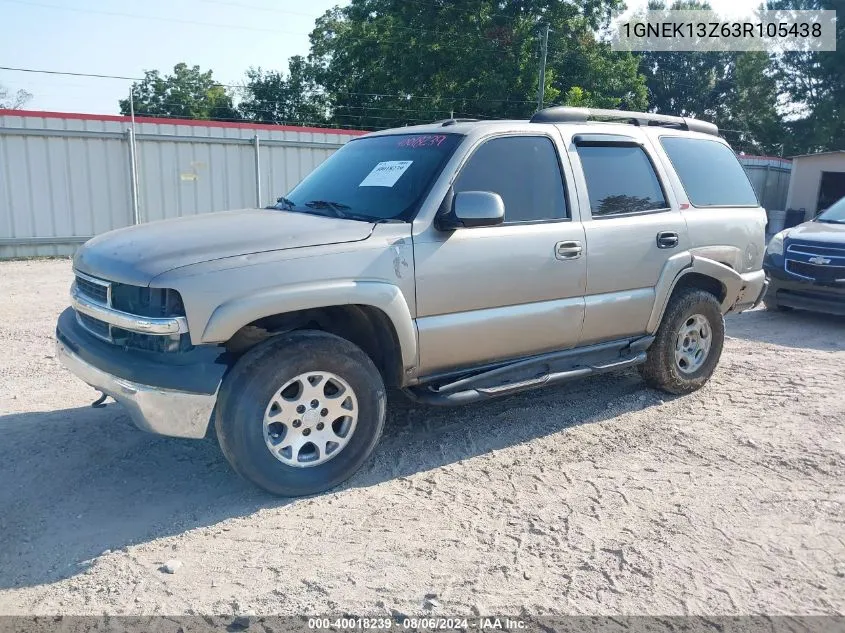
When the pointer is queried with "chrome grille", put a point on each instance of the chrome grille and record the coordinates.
(817, 273)
(98, 291)
(131, 301)
(93, 289)
(826, 250)
(95, 326)
(823, 263)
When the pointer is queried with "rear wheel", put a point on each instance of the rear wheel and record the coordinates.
(301, 413)
(688, 344)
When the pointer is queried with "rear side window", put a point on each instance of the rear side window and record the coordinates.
(524, 170)
(710, 172)
(620, 179)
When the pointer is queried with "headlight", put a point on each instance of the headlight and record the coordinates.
(775, 246)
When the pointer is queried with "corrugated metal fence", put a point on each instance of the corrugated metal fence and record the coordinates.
(769, 176)
(67, 177)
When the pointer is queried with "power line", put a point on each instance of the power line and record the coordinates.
(392, 26)
(346, 113)
(351, 115)
(253, 7)
(379, 40)
(175, 121)
(437, 5)
(242, 5)
(69, 74)
(400, 96)
(148, 17)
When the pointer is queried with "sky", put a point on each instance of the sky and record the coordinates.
(126, 38)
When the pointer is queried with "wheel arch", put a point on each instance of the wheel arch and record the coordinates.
(700, 272)
(373, 315)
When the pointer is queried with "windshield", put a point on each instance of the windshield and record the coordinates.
(374, 178)
(835, 213)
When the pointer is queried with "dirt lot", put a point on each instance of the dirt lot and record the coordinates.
(597, 497)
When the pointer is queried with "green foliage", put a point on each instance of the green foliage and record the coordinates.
(736, 90)
(187, 93)
(813, 84)
(375, 64)
(389, 62)
(687, 83)
(270, 97)
(750, 117)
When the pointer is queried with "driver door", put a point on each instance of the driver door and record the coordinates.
(493, 293)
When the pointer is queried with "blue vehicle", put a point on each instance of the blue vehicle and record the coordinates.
(805, 265)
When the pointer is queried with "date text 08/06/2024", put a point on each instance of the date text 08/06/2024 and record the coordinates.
(416, 623)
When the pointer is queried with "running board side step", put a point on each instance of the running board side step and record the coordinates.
(447, 396)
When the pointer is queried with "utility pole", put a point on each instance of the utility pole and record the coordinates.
(541, 90)
(133, 161)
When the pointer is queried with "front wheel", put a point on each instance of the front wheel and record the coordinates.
(688, 344)
(301, 413)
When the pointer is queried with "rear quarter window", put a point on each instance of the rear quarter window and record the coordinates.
(710, 172)
(620, 180)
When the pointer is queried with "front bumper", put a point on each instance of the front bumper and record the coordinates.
(805, 295)
(165, 393)
(153, 409)
(754, 285)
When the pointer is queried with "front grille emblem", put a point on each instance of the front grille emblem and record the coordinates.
(819, 260)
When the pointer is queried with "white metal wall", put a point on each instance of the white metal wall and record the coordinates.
(65, 178)
(806, 179)
(769, 176)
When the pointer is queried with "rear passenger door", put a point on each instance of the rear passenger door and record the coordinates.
(725, 220)
(632, 227)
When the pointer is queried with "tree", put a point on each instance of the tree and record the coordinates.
(736, 90)
(686, 83)
(384, 63)
(270, 97)
(14, 101)
(187, 93)
(813, 86)
(751, 119)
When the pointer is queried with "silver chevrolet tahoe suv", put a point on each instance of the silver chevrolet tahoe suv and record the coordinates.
(457, 261)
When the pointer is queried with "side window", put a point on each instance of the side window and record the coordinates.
(524, 170)
(620, 179)
(710, 172)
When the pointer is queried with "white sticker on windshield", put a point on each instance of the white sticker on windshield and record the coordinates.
(386, 174)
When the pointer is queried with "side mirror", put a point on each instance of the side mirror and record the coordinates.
(473, 208)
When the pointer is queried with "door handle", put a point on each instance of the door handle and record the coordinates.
(568, 250)
(667, 239)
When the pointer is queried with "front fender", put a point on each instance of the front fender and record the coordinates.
(232, 315)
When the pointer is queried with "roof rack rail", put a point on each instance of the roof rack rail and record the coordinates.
(564, 114)
(447, 122)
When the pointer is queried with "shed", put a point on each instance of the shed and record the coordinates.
(817, 181)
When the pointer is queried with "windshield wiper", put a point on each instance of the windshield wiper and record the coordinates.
(340, 210)
(285, 204)
(826, 221)
(337, 207)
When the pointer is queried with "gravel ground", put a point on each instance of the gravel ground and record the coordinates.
(598, 497)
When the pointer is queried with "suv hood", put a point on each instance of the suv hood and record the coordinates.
(818, 232)
(137, 254)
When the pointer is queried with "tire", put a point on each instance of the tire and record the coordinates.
(696, 313)
(345, 380)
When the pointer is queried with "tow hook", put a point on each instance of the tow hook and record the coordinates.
(100, 402)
